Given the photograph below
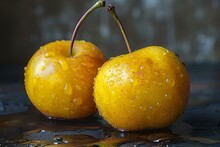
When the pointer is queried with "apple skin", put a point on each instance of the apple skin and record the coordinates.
(61, 86)
(146, 89)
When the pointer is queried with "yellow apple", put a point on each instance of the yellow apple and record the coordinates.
(145, 89)
(148, 88)
(61, 86)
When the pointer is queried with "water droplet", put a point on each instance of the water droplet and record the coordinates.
(58, 140)
(142, 108)
(98, 68)
(67, 109)
(165, 95)
(49, 54)
(178, 68)
(116, 65)
(89, 65)
(164, 54)
(42, 67)
(42, 131)
(172, 83)
(78, 87)
(133, 70)
(63, 64)
(150, 108)
(158, 104)
(25, 68)
(141, 67)
(131, 80)
(68, 89)
(113, 93)
(49, 117)
(156, 73)
(111, 75)
(78, 101)
(111, 83)
(181, 75)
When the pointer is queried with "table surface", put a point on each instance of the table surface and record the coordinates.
(22, 125)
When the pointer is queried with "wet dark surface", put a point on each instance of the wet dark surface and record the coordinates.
(22, 125)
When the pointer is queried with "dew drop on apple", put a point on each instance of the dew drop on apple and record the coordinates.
(165, 95)
(141, 67)
(142, 108)
(90, 65)
(49, 54)
(178, 67)
(78, 88)
(78, 101)
(111, 83)
(63, 64)
(133, 98)
(164, 53)
(25, 68)
(42, 67)
(113, 93)
(68, 89)
(67, 109)
(171, 82)
(116, 65)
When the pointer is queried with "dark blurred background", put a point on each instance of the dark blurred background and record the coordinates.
(191, 28)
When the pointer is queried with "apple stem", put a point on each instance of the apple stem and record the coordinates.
(98, 4)
(111, 10)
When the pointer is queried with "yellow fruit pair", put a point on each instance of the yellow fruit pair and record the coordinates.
(147, 88)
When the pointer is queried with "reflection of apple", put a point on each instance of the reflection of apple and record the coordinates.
(59, 80)
(147, 88)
